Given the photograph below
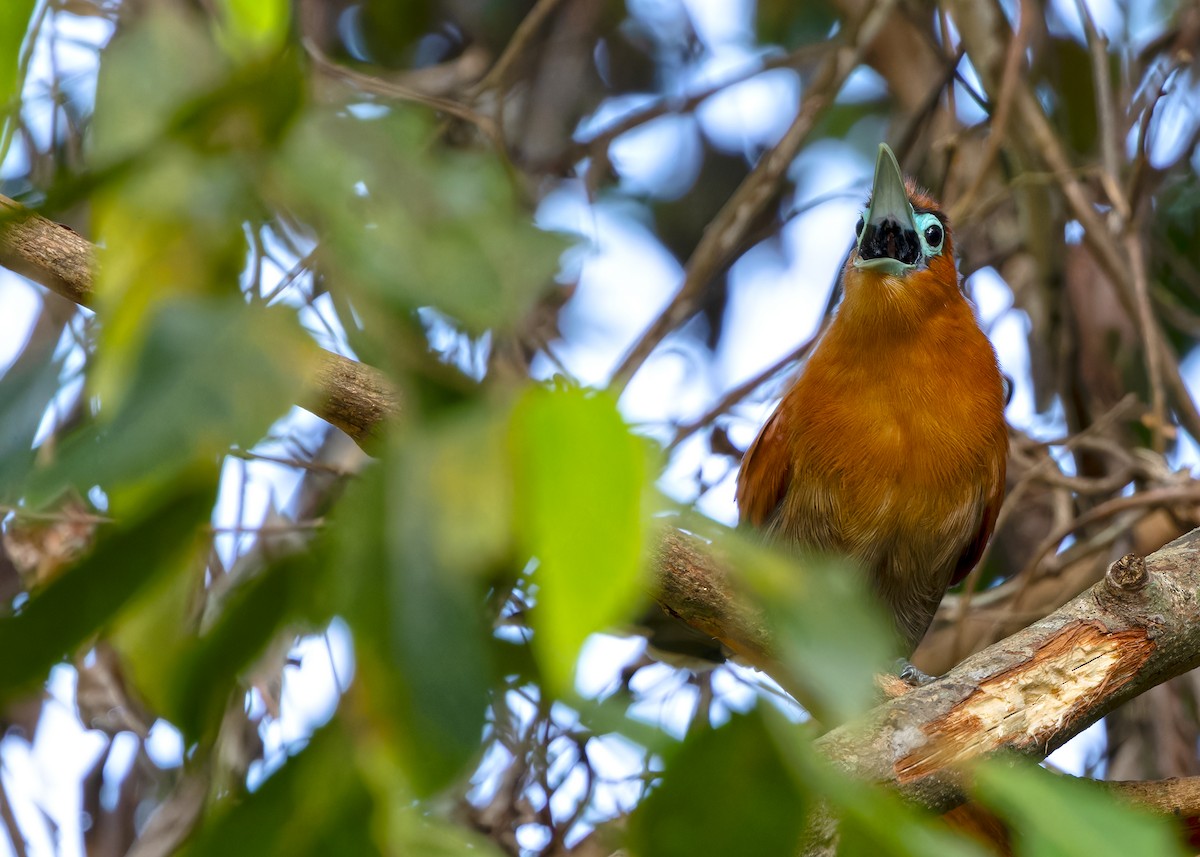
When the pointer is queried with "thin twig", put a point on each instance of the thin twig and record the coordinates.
(1156, 497)
(520, 42)
(683, 104)
(724, 235)
(1105, 112)
(1003, 104)
(1151, 336)
(742, 390)
(399, 92)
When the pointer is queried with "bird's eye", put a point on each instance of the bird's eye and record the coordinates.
(932, 233)
(858, 227)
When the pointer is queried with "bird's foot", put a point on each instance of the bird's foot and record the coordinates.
(902, 679)
(912, 676)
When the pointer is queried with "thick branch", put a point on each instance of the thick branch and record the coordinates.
(1029, 694)
(695, 588)
(352, 396)
(1039, 688)
(1178, 796)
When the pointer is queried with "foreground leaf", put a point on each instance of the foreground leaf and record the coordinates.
(753, 806)
(83, 599)
(580, 482)
(1052, 815)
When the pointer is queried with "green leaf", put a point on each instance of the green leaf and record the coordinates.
(88, 596)
(830, 634)
(429, 521)
(25, 392)
(317, 804)
(1052, 815)
(187, 676)
(15, 20)
(149, 71)
(407, 226)
(871, 819)
(252, 26)
(581, 479)
(209, 375)
(726, 791)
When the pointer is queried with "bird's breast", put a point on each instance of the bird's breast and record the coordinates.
(895, 451)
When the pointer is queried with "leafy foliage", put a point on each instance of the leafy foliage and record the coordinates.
(248, 201)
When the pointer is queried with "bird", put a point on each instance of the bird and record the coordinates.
(890, 445)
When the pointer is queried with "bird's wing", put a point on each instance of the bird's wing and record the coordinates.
(974, 549)
(766, 471)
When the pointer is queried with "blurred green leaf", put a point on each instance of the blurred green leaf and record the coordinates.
(16, 17)
(413, 226)
(871, 819)
(726, 791)
(25, 392)
(831, 635)
(1054, 816)
(148, 72)
(254, 25)
(188, 676)
(175, 170)
(85, 598)
(317, 804)
(209, 375)
(416, 535)
(581, 478)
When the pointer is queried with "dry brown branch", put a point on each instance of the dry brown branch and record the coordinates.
(519, 44)
(1028, 694)
(46, 252)
(1177, 796)
(696, 588)
(1040, 687)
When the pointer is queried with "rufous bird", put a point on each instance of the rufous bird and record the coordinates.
(890, 446)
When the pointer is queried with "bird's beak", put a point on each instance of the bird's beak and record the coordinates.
(889, 242)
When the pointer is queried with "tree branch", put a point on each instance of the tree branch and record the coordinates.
(1177, 796)
(351, 395)
(1034, 691)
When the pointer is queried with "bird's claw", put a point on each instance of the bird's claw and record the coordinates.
(912, 676)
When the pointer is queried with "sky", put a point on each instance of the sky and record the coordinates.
(624, 278)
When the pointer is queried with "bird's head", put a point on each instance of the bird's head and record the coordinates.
(903, 250)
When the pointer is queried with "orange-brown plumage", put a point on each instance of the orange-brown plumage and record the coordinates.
(890, 446)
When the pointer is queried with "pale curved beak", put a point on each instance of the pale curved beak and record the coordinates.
(889, 241)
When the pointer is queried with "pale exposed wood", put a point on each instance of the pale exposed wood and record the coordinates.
(1037, 689)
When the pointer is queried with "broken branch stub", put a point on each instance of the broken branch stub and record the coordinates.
(1037, 689)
